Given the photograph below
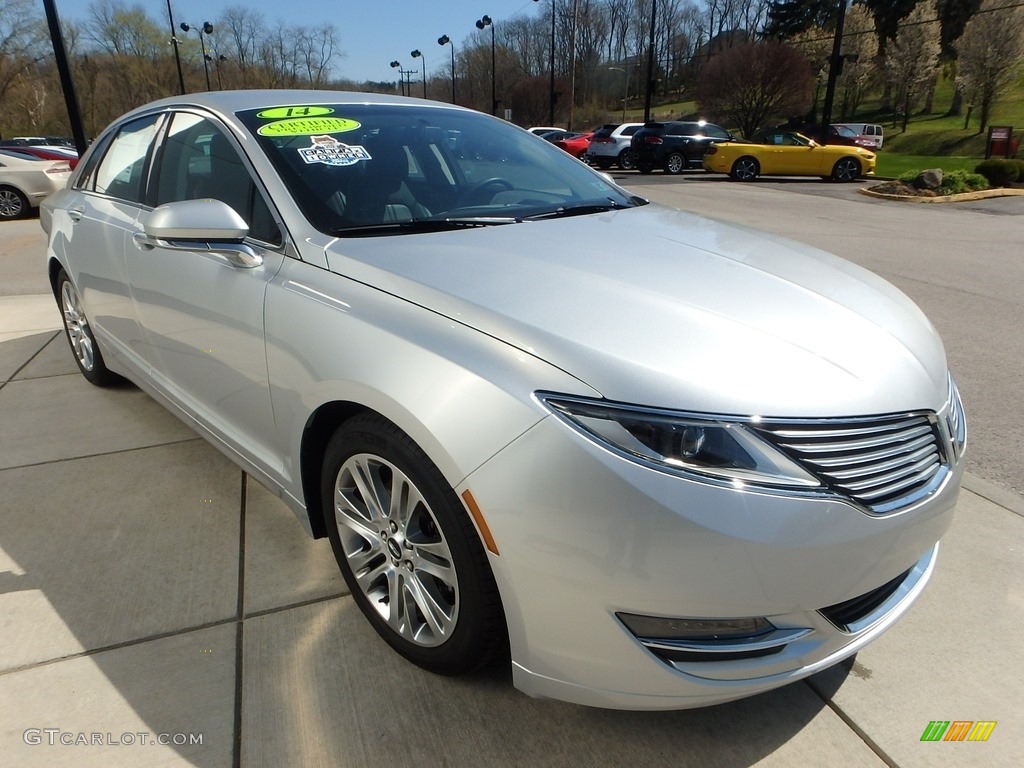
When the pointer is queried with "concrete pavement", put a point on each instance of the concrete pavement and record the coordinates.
(148, 587)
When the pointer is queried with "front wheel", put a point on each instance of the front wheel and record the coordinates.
(846, 169)
(675, 163)
(745, 169)
(79, 335)
(408, 551)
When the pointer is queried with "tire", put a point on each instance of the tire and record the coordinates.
(416, 569)
(675, 163)
(79, 334)
(604, 165)
(745, 168)
(846, 169)
(625, 160)
(13, 204)
(645, 168)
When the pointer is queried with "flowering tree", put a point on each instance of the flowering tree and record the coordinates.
(989, 51)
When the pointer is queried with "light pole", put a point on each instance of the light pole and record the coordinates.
(207, 28)
(625, 88)
(649, 90)
(401, 78)
(217, 62)
(177, 56)
(551, 94)
(417, 54)
(445, 40)
(480, 24)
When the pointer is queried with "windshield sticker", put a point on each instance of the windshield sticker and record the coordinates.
(308, 126)
(329, 151)
(278, 113)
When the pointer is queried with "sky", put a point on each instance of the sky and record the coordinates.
(373, 32)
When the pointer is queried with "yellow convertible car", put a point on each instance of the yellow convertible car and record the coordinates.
(783, 153)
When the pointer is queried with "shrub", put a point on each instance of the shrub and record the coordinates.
(1001, 173)
(955, 182)
(907, 177)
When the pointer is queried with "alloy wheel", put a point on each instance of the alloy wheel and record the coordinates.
(79, 333)
(11, 204)
(396, 550)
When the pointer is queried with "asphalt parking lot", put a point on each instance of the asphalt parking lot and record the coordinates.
(148, 586)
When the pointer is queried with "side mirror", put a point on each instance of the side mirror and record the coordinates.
(207, 225)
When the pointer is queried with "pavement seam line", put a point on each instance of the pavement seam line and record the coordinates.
(104, 453)
(236, 746)
(860, 732)
(117, 646)
(23, 365)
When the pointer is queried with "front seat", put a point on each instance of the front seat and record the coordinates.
(379, 195)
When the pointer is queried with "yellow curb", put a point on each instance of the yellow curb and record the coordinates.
(962, 197)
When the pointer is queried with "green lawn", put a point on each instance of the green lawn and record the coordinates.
(893, 164)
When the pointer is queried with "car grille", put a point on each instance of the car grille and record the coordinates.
(882, 463)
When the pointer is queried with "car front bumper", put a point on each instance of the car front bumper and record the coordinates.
(583, 535)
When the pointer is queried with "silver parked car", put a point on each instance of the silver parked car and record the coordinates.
(610, 145)
(649, 460)
(26, 180)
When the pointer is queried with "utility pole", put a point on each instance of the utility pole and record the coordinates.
(835, 67)
(650, 63)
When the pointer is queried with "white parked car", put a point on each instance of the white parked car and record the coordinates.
(646, 459)
(25, 181)
(610, 146)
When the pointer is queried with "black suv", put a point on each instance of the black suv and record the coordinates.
(675, 146)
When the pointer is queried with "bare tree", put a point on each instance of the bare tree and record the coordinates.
(913, 55)
(989, 51)
(749, 85)
(21, 41)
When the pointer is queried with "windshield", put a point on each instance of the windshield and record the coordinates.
(356, 169)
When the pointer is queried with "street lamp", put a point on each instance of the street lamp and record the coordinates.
(551, 95)
(480, 24)
(625, 89)
(207, 28)
(445, 40)
(423, 60)
(401, 78)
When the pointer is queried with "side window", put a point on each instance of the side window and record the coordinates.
(198, 161)
(122, 170)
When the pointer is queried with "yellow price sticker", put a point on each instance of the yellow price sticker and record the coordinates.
(308, 126)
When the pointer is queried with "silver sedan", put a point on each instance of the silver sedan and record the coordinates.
(648, 460)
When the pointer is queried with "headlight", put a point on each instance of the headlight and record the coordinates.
(711, 447)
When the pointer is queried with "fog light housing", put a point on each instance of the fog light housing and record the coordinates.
(700, 630)
(703, 640)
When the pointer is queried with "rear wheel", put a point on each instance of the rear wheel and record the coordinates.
(745, 169)
(408, 551)
(626, 160)
(645, 167)
(13, 204)
(603, 164)
(79, 335)
(845, 170)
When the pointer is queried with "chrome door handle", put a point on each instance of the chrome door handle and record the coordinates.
(75, 214)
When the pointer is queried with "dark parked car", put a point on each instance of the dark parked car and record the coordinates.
(675, 146)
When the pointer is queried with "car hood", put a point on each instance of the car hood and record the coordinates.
(663, 308)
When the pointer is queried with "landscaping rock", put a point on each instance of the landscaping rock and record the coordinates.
(929, 179)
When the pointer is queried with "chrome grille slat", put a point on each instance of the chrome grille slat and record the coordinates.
(883, 463)
(885, 438)
(890, 478)
(841, 431)
(882, 466)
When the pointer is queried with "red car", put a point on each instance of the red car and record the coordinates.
(51, 153)
(576, 144)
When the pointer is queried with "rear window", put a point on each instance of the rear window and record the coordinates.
(603, 133)
(631, 129)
